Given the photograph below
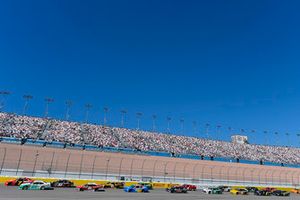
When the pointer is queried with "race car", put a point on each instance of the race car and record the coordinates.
(269, 189)
(296, 191)
(62, 183)
(262, 193)
(238, 191)
(280, 193)
(36, 185)
(136, 188)
(118, 185)
(251, 189)
(225, 188)
(212, 190)
(148, 185)
(176, 189)
(91, 187)
(18, 181)
(189, 187)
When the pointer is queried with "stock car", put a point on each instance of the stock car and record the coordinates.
(91, 187)
(36, 185)
(176, 189)
(148, 185)
(262, 193)
(62, 183)
(224, 188)
(189, 187)
(269, 189)
(296, 191)
(280, 193)
(212, 190)
(136, 188)
(238, 191)
(118, 185)
(251, 189)
(18, 181)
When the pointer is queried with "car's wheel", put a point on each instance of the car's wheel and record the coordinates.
(25, 187)
(42, 188)
(209, 192)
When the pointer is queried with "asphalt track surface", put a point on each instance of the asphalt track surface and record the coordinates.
(12, 193)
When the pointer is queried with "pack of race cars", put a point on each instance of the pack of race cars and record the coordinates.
(25, 183)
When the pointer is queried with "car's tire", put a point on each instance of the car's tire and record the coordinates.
(42, 188)
(25, 187)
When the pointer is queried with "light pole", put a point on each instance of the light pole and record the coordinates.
(182, 125)
(87, 111)
(106, 110)
(123, 115)
(207, 130)
(69, 104)
(26, 97)
(169, 122)
(3, 94)
(48, 100)
(154, 117)
(138, 118)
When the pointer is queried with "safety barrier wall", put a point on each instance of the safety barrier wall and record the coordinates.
(131, 151)
(22, 160)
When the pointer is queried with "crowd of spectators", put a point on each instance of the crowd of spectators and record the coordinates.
(12, 125)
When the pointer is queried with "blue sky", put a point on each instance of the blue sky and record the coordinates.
(226, 62)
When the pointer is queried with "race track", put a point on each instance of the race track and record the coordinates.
(11, 193)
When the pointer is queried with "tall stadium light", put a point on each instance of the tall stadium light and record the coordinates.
(207, 130)
(266, 137)
(87, 111)
(277, 138)
(123, 116)
(69, 104)
(138, 118)
(218, 131)
(27, 98)
(3, 94)
(169, 124)
(195, 127)
(154, 117)
(106, 110)
(48, 100)
(182, 125)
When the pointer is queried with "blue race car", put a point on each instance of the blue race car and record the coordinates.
(136, 188)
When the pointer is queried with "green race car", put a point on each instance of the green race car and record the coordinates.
(36, 185)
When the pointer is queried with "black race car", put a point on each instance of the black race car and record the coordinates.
(177, 189)
(280, 193)
(251, 189)
(63, 183)
(262, 193)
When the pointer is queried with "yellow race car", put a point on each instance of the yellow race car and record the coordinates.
(239, 191)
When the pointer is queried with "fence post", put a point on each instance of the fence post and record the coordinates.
(142, 170)
(3, 161)
(35, 160)
(194, 170)
(106, 171)
(154, 166)
(165, 170)
(120, 167)
(174, 171)
(67, 165)
(52, 159)
(93, 167)
(184, 171)
(131, 165)
(19, 161)
(81, 159)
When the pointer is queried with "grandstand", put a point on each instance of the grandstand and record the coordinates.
(88, 136)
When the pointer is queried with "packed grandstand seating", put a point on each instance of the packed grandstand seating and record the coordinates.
(12, 125)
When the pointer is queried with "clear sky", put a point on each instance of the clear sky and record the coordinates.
(223, 62)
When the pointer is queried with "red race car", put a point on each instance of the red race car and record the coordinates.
(18, 181)
(189, 187)
(91, 187)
